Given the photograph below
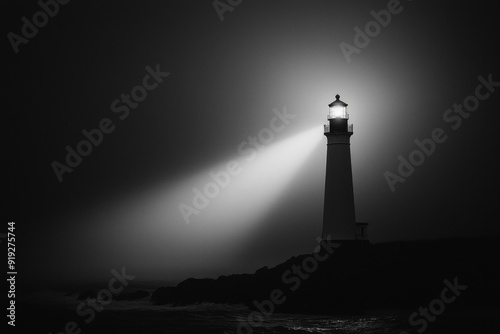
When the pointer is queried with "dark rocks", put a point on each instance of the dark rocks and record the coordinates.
(391, 275)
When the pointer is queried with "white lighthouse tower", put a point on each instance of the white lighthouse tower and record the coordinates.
(339, 217)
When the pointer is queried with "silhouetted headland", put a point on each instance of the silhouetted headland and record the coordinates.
(395, 275)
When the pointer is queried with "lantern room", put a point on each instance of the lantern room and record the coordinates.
(338, 109)
(338, 117)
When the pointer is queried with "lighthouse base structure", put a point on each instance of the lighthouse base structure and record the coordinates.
(346, 246)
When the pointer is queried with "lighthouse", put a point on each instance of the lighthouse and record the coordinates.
(339, 217)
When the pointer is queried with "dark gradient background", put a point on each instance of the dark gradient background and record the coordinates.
(119, 207)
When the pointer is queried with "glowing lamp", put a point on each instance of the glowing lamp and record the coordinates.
(338, 109)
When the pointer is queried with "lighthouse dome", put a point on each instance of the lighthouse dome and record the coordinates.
(337, 102)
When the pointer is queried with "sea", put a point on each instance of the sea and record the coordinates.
(55, 313)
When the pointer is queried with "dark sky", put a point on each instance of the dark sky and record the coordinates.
(227, 80)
